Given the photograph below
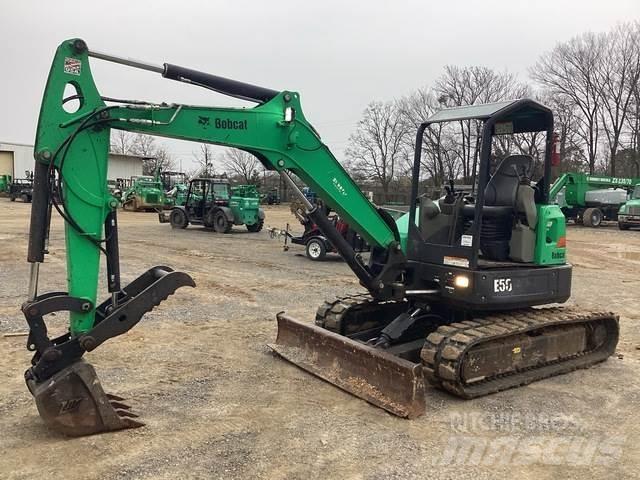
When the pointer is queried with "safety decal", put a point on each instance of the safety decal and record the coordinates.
(72, 66)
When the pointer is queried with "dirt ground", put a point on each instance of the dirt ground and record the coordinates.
(219, 404)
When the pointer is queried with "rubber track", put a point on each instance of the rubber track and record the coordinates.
(329, 314)
(444, 350)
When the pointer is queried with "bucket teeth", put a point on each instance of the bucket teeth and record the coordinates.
(130, 423)
(73, 403)
(117, 398)
(119, 405)
(126, 413)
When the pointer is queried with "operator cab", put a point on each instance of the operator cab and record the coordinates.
(509, 214)
(504, 229)
(202, 193)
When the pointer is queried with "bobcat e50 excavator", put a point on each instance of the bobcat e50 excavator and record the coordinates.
(449, 288)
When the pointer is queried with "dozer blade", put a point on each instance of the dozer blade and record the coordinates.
(374, 375)
(73, 403)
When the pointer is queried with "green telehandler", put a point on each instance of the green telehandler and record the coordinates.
(448, 289)
(214, 203)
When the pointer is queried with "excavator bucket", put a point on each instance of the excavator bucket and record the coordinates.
(382, 379)
(73, 402)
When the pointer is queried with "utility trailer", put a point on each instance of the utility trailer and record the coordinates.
(316, 243)
(591, 199)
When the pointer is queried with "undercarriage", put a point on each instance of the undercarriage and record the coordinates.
(464, 353)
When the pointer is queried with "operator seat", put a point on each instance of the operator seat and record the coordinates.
(504, 198)
(506, 195)
(501, 192)
(502, 189)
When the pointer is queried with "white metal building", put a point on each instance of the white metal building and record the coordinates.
(124, 166)
(17, 158)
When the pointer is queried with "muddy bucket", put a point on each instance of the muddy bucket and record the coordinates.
(73, 403)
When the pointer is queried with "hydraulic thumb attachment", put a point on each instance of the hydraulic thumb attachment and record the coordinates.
(67, 392)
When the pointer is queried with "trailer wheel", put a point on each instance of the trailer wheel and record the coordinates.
(220, 222)
(256, 227)
(178, 219)
(315, 249)
(592, 217)
(623, 226)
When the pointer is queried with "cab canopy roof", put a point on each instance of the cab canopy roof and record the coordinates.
(509, 116)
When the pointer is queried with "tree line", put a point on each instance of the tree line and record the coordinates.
(591, 82)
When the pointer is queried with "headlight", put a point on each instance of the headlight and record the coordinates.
(461, 281)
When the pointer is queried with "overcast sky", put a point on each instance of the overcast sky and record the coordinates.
(339, 55)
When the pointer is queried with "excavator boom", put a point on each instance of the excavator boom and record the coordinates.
(71, 151)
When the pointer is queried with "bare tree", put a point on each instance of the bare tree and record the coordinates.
(633, 128)
(205, 159)
(618, 76)
(570, 146)
(154, 156)
(570, 72)
(121, 142)
(439, 153)
(243, 164)
(376, 147)
(470, 86)
(160, 160)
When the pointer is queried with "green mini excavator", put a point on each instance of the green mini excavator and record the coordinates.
(448, 290)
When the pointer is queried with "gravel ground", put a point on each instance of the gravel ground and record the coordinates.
(218, 404)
